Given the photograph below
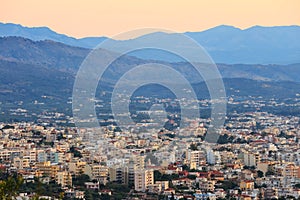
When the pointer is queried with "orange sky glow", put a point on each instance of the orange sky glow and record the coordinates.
(109, 17)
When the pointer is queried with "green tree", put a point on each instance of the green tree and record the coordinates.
(193, 147)
(9, 188)
(270, 173)
(193, 177)
(75, 152)
(260, 174)
(226, 185)
(80, 180)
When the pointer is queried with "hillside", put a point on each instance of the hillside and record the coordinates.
(64, 57)
(39, 76)
(225, 44)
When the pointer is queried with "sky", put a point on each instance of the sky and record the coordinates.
(80, 18)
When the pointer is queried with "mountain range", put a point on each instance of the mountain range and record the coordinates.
(225, 44)
(38, 75)
(55, 55)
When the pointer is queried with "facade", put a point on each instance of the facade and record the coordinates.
(270, 193)
(118, 174)
(195, 158)
(77, 167)
(63, 178)
(251, 159)
(97, 172)
(135, 163)
(247, 185)
(143, 179)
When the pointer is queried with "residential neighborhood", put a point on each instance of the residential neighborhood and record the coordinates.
(257, 156)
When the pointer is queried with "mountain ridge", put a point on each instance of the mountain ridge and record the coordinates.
(39, 75)
(44, 33)
(64, 57)
(225, 44)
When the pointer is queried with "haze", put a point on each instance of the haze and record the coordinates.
(98, 18)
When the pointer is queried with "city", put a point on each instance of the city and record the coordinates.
(150, 100)
(257, 156)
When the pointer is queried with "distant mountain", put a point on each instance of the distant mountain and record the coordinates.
(39, 76)
(45, 53)
(263, 45)
(63, 57)
(44, 33)
(29, 82)
(225, 44)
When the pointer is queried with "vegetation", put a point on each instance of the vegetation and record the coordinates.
(42, 189)
(10, 186)
(79, 181)
(164, 177)
(193, 147)
(227, 185)
(119, 191)
(270, 173)
(297, 185)
(75, 152)
(260, 174)
(224, 139)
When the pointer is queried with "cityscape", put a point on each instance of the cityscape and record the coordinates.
(150, 100)
(256, 157)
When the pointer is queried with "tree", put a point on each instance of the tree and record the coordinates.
(164, 177)
(9, 188)
(260, 174)
(75, 152)
(172, 196)
(80, 180)
(193, 147)
(105, 197)
(226, 185)
(270, 173)
(42, 189)
(88, 195)
(185, 167)
(193, 177)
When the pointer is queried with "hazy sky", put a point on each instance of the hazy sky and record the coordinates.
(81, 18)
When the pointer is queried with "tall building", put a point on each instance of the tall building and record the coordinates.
(97, 172)
(77, 167)
(47, 169)
(41, 155)
(63, 178)
(136, 163)
(290, 170)
(195, 158)
(251, 159)
(210, 155)
(143, 179)
(119, 174)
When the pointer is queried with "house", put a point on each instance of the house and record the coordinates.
(183, 181)
(207, 185)
(217, 175)
(169, 191)
(106, 191)
(247, 185)
(91, 185)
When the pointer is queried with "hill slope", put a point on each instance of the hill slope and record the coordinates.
(39, 76)
(225, 44)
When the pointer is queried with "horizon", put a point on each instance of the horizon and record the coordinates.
(145, 33)
(86, 19)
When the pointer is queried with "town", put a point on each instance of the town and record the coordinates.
(257, 156)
